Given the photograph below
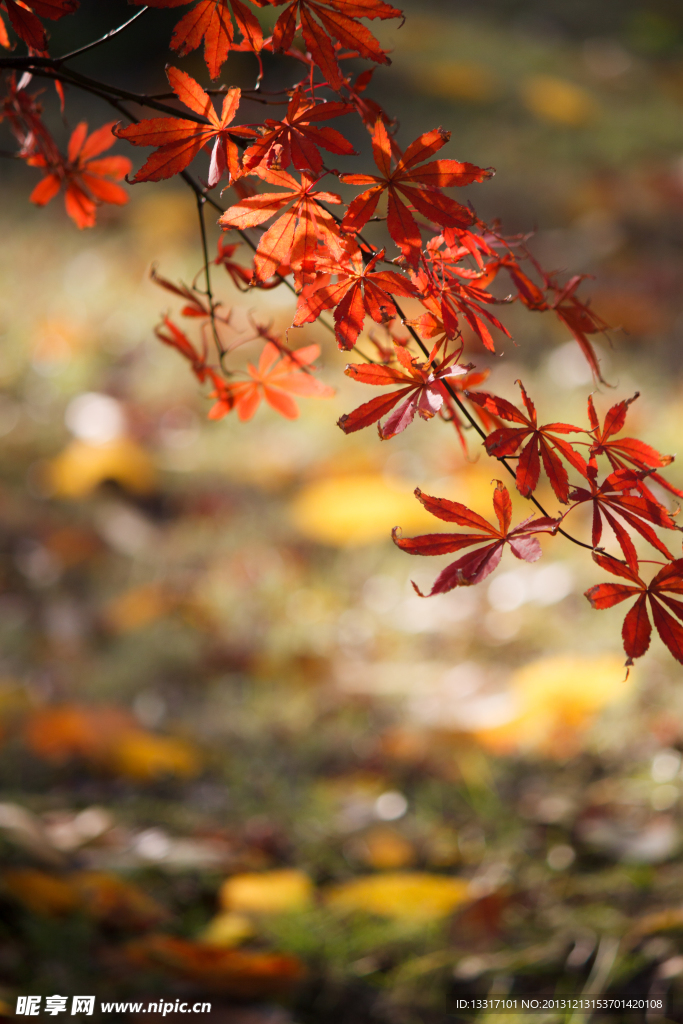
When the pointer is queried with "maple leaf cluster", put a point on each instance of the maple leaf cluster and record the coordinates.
(24, 17)
(306, 223)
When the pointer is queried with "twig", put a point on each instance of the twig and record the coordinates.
(103, 39)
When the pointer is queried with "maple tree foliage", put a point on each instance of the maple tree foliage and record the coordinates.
(407, 307)
(179, 140)
(476, 565)
(24, 17)
(419, 185)
(84, 175)
(421, 388)
(637, 628)
(541, 444)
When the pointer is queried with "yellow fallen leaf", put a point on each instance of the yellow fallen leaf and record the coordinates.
(137, 608)
(460, 80)
(81, 468)
(144, 755)
(557, 100)
(413, 895)
(385, 848)
(355, 509)
(266, 892)
(227, 930)
(557, 700)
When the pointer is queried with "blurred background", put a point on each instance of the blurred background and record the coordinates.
(239, 755)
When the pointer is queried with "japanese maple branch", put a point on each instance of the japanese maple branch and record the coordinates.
(470, 418)
(456, 398)
(47, 68)
(199, 191)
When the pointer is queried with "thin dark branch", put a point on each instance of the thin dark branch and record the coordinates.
(103, 39)
(45, 69)
(201, 200)
(253, 95)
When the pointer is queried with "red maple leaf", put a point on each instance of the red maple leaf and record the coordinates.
(421, 388)
(291, 243)
(581, 321)
(211, 20)
(421, 186)
(294, 140)
(542, 445)
(357, 291)
(27, 26)
(336, 19)
(279, 375)
(172, 335)
(620, 494)
(623, 451)
(85, 178)
(179, 140)
(445, 299)
(637, 628)
(490, 540)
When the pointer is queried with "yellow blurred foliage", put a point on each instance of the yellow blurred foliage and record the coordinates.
(163, 220)
(137, 608)
(228, 930)
(146, 756)
(557, 700)
(385, 848)
(557, 100)
(55, 341)
(355, 509)
(266, 892)
(411, 895)
(460, 80)
(109, 738)
(40, 892)
(80, 469)
(60, 733)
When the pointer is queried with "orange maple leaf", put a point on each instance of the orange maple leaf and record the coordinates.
(279, 375)
(358, 290)
(211, 20)
(179, 140)
(337, 19)
(421, 386)
(291, 243)
(421, 186)
(84, 177)
(25, 23)
(295, 140)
